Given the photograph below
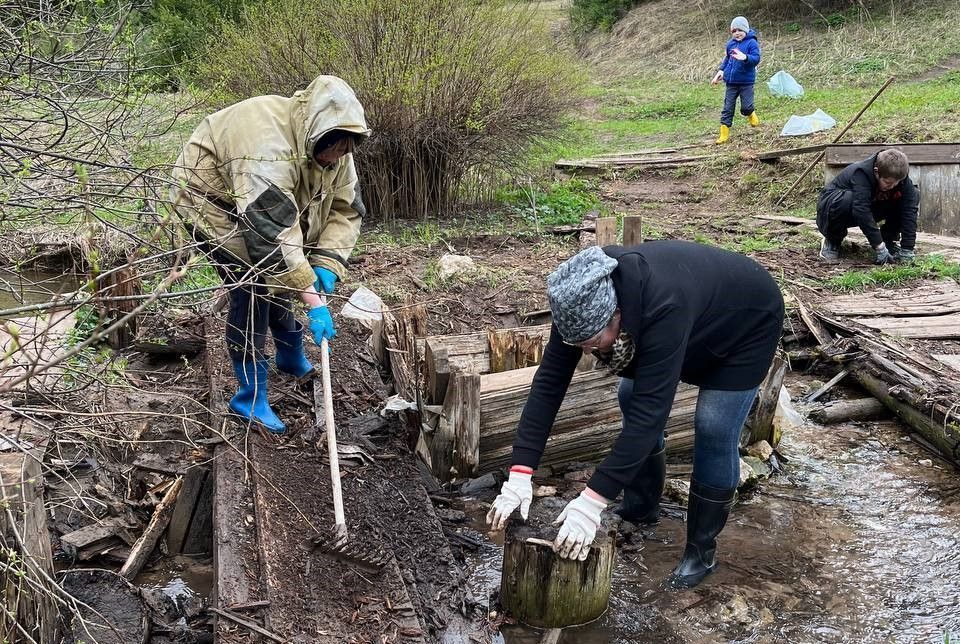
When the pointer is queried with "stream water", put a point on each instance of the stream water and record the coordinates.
(858, 540)
(33, 287)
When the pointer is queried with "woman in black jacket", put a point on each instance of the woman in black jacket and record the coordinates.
(655, 314)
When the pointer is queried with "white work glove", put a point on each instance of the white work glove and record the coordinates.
(717, 77)
(516, 491)
(580, 518)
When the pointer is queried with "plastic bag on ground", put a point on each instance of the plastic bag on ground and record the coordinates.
(800, 125)
(783, 84)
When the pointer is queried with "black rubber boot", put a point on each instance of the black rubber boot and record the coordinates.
(707, 512)
(830, 250)
(641, 501)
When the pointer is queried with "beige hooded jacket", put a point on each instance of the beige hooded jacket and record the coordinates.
(247, 183)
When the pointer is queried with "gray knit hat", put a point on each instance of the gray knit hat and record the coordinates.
(581, 294)
(740, 23)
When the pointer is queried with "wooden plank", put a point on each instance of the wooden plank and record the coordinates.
(773, 155)
(632, 230)
(606, 231)
(917, 153)
(931, 298)
(951, 360)
(929, 327)
(193, 482)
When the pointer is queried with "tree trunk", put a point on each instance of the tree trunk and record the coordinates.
(540, 588)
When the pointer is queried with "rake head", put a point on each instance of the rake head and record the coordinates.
(336, 545)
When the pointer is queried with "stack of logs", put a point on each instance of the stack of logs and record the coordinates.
(473, 388)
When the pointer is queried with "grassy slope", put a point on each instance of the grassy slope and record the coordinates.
(651, 76)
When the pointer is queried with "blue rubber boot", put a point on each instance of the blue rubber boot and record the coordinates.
(290, 356)
(250, 401)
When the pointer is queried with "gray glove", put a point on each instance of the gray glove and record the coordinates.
(883, 256)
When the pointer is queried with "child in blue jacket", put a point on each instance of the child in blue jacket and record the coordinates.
(738, 70)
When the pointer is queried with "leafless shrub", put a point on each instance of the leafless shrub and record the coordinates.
(455, 91)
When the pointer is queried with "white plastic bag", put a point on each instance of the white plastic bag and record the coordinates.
(363, 305)
(800, 125)
(783, 84)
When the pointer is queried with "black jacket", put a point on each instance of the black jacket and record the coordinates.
(696, 313)
(862, 203)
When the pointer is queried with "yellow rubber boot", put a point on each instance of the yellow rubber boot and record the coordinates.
(724, 134)
(754, 119)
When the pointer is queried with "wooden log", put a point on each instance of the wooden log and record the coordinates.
(511, 349)
(148, 540)
(540, 588)
(839, 411)
(437, 368)
(632, 230)
(26, 578)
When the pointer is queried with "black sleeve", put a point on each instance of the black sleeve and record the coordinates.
(546, 395)
(862, 209)
(659, 357)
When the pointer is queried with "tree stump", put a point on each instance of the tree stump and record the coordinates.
(543, 590)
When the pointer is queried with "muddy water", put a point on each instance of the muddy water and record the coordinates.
(856, 541)
(33, 287)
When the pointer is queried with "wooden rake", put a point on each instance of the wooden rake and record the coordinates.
(337, 542)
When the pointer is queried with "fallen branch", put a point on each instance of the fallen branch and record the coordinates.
(148, 540)
(246, 623)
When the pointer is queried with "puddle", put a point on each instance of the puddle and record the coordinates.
(33, 287)
(855, 542)
(180, 576)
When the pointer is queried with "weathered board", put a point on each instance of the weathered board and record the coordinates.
(928, 327)
(919, 153)
(932, 298)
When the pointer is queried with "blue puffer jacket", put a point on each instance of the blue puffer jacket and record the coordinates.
(741, 72)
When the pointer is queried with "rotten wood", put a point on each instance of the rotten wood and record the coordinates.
(192, 511)
(26, 542)
(148, 540)
(121, 282)
(540, 588)
(839, 411)
(92, 540)
(935, 298)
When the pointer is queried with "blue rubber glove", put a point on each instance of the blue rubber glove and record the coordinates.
(326, 280)
(321, 324)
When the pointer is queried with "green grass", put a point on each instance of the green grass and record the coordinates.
(928, 267)
(554, 204)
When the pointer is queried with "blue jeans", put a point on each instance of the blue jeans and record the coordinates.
(745, 92)
(716, 433)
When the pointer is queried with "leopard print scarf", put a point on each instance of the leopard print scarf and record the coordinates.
(618, 357)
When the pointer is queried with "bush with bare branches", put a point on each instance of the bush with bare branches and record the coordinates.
(455, 91)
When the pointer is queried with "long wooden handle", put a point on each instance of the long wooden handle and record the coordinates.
(338, 516)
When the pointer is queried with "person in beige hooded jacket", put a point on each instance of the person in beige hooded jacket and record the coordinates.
(268, 189)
